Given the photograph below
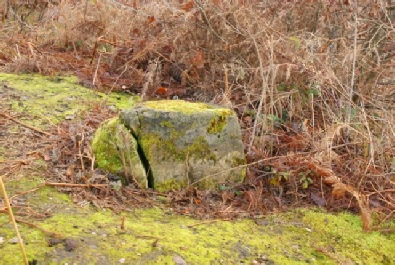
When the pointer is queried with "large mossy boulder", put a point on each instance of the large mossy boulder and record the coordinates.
(182, 143)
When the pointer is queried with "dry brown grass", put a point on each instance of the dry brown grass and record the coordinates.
(309, 79)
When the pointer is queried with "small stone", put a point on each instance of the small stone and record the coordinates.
(262, 222)
(70, 244)
(296, 246)
(1, 240)
(122, 260)
(178, 260)
(54, 241)
(33, 262)
(70, 117)
(14, 240)
(263, 258)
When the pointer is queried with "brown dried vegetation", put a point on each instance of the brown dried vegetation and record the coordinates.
(312, 82)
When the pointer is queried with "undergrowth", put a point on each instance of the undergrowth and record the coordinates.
(311, 81)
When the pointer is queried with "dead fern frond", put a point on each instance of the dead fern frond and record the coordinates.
(143, 51)
(339, 190)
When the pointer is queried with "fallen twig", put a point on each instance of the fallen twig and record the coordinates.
(24, 124)
(207, 222)
(39, 228)
(75, 185)
(12, 219)
(28, 211)
(123, 222)
(26, 192)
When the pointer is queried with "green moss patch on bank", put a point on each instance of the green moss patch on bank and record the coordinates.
(155, 236)
(50, 100)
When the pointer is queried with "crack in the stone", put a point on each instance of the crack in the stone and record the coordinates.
(142, 156)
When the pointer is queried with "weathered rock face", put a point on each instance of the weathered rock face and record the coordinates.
(115, 150)
(182, 143)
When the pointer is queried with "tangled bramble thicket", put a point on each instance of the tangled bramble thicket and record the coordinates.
(310, 81)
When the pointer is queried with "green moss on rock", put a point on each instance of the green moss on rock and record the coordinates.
(217, 124)
(172, 184)
(185, 106)
(115, 150)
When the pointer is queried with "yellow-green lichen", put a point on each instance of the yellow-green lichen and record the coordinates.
(197, 158)
(172, 184)
(217, 124)
(167, 124)
(207, 182)
(200, 149)
(237, 161)
(240, 165)
(153, 145)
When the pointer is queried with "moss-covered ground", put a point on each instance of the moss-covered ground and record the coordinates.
(90, 235)
(50, 100)
(157, 236)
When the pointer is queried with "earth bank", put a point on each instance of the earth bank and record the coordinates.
(86, 234)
